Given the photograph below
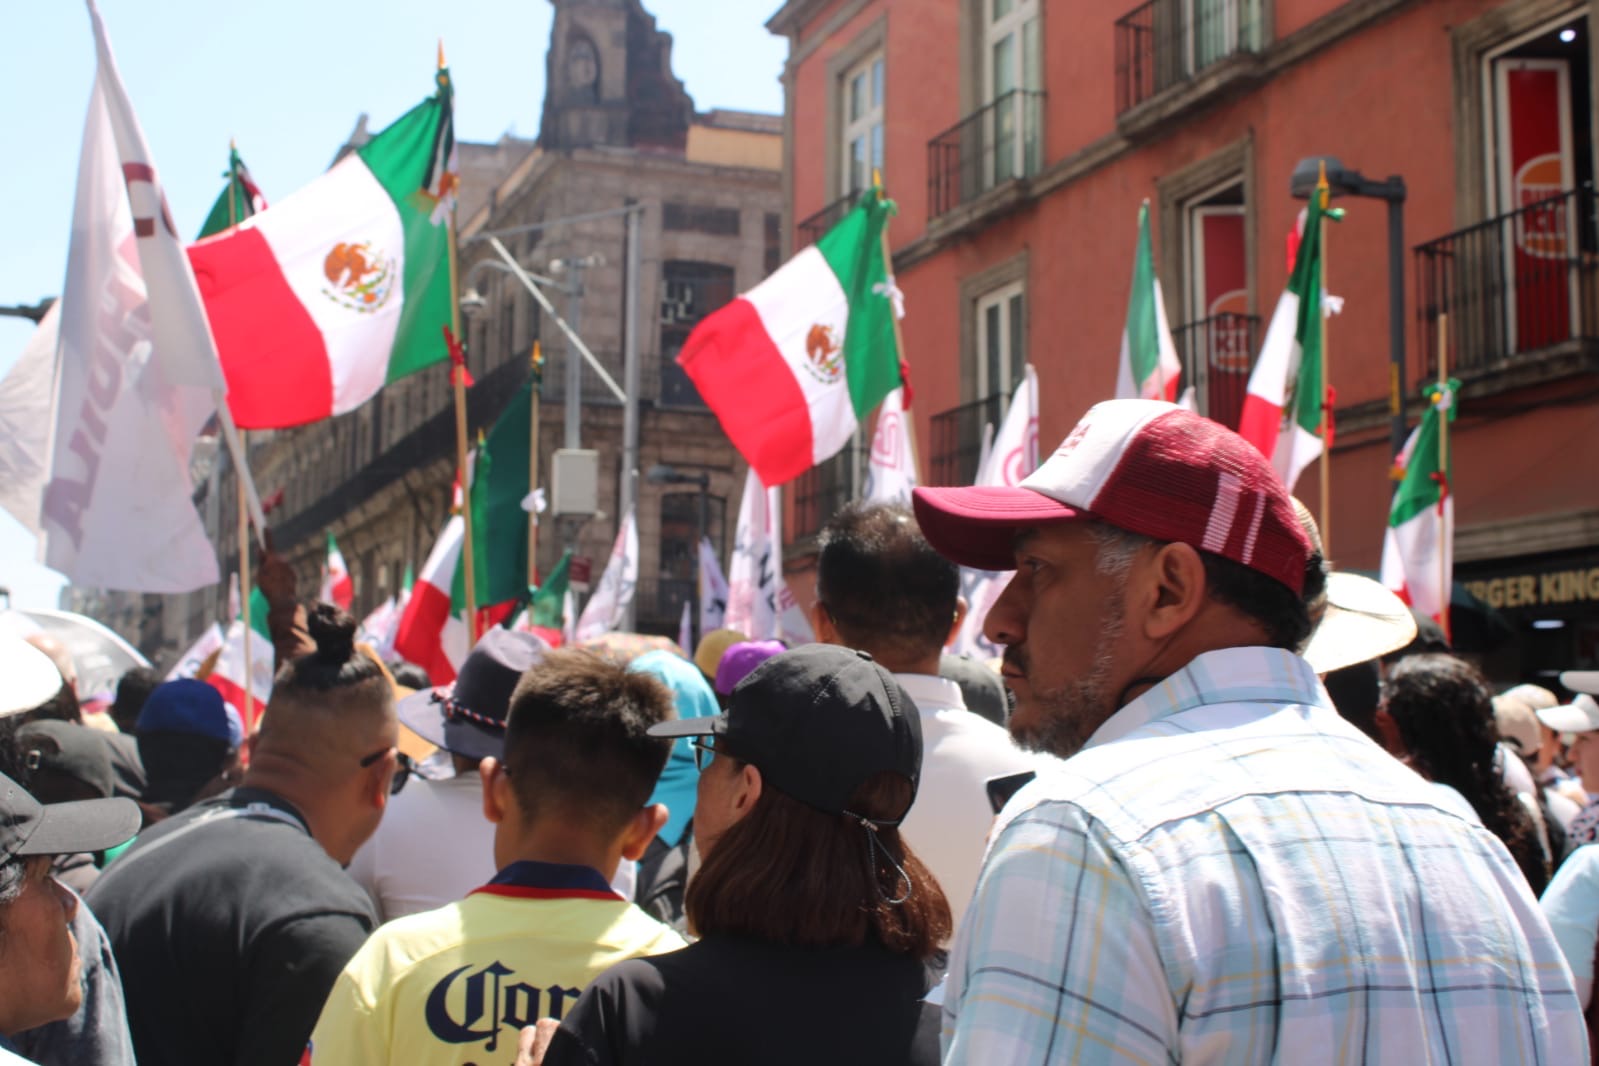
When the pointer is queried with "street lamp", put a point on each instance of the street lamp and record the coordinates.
(34, 313)
(661, 474)
(1342, 181)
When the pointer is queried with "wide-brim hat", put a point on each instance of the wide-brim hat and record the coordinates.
(1581, 715)
(467, 717)
(1581, 681)
(28, 827)
(818, 721)
(30, 677)
(1143, 466)
(1363, 621)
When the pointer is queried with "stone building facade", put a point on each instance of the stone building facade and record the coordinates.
(618, 128)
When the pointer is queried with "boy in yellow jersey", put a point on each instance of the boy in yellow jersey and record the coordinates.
(455, 985)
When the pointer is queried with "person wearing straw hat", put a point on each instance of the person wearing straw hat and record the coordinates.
(1579, 720)
(1221, 859)
(434, 845)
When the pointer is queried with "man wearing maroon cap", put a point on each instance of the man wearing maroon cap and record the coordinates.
(1223, 870)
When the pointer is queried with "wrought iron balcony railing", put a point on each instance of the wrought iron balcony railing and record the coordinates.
(819, 493)
(1514, 287)
(1217, 355)
(1166, 42)
(810, 230)
(957, 440)
(999, 143)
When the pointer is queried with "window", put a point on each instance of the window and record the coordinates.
(863, 124)
(1001, 340)
(698, 218)
(1012, 74)
(680, 557)
(689, 292)
(1217, 340)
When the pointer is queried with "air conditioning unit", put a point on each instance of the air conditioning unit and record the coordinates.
(575, 481)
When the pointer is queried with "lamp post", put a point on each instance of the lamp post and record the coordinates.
(34, 313)
(1345, 182)
(661, 474)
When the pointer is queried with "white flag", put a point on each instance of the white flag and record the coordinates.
(138, 374)
(1013, 455)
(189, 662)
(891, 469)
(755, 575)
(608, 606)
(685, 629)
(713, 590)
(379, 628)
(25, 398)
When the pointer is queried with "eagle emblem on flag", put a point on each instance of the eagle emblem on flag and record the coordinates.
(360, 277)
(824, 353)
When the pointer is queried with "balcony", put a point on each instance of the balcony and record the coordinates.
(957, 440)
(1165, 44)
(819, 493)
(1217, 355)
(810, 230)
(658, 605)
(1521, 292)
(1001, 143)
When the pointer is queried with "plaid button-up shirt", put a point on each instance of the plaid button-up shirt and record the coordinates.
(1230, 873)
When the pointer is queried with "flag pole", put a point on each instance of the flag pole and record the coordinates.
(533, 463)
(1323, 193)
(899, 336)
(243, 502)
(1443, 471)
(458, 379)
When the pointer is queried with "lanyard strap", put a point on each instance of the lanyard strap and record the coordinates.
(257, 811)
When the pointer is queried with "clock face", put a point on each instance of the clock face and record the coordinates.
(582, 65)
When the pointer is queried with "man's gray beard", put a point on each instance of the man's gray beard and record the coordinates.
(1070, 714)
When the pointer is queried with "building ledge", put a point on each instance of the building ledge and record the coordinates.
(997, 202)
(1237, 73)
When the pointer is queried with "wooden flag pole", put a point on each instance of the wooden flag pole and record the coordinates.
(458, 380)
(533, 464)
(239, 482)
(1443, 471)
(1323, 192)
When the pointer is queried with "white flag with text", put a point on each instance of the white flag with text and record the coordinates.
(607, 608)
(755, 573)
(713, 590)
(891, 467)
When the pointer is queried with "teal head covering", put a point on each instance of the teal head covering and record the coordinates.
(694, 699)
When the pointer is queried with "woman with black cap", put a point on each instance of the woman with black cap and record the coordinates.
(819, 928)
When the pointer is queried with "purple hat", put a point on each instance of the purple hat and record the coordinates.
(190, 706)
(742, 658)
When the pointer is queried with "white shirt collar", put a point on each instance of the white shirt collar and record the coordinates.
(932, 693)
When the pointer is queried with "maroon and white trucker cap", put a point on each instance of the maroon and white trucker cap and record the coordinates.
(1143, 466)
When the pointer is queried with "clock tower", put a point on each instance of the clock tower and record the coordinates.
(609, 80)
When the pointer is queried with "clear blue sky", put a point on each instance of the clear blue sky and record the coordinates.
(287, 79)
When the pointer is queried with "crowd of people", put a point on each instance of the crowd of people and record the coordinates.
(1215, 803)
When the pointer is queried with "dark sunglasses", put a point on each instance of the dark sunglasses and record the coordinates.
(703, 753)
(404, 767)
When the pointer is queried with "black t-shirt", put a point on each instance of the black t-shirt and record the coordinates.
(229, 924)
(730, 1001)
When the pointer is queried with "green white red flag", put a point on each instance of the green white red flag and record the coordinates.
(338, 588)
(1418, 549)
(228, 676)
(433, 633)
(1149, 365)
(240, 199)
(342, 287)
(1283, 410)
(793, 366)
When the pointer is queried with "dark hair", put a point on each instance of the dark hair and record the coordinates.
(410, 675)
(1356, 692)
(62, 707)
(133, 688)
(883, 585)
(1444, 712)
(1273, 605)
(789, 874)
(576, 741)
(178, 765)
(335, 669)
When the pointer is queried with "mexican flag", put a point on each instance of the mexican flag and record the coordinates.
(1149, 365)
(343, 287)
(228, 676)
(338, 588)
(239, 200)
(1418, 549)
(1283, 409)
(793, 366)
(433, 632)
(500, 486)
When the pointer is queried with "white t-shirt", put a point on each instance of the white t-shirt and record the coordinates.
(432, 847)
(948, 825)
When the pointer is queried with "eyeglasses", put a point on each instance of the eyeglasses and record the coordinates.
(703, 753)
(404, 767)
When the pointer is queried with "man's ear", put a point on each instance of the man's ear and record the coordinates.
(496, 789)
(1174, 589)
(746, 790)
(961, 607)
(643, 829)
(378, 776)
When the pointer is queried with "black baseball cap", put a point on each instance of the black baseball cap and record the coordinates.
(28, 827)
(818, 722)
(70, 749)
